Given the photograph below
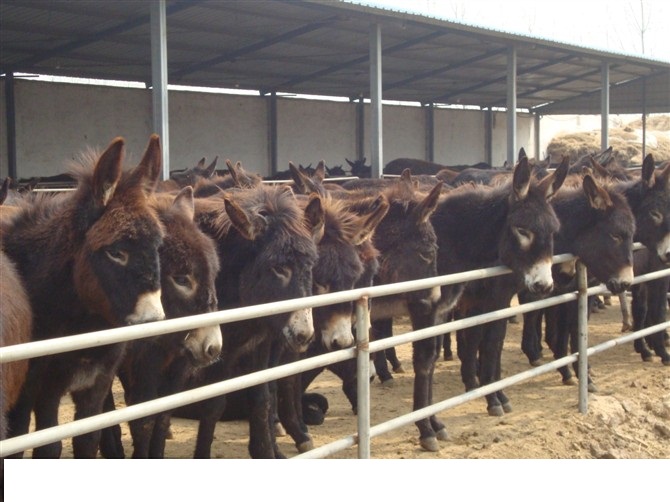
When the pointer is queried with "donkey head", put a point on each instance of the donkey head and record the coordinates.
(189, 265)
(606, 244)
(276, 262)
(527, 242)
(340, 265)
(116, 269)
(652, 212)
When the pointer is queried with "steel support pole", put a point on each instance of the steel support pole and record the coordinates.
(604, 105)
(159, 79)
(583, 333)
(376, 134)
(360, 128)
(430, 132)
(363, 376)
(511, 106)
(10, 117)
(273, 150)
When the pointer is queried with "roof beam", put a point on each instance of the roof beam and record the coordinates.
(243, 51)
(539, 108)
(443, 69)
(359, 60)
(503, 78)
(95, 37)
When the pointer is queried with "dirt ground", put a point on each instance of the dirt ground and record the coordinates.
(628, 418)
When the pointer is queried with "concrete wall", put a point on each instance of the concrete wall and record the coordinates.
(56, 121)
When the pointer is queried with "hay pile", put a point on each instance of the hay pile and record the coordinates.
(625, 140)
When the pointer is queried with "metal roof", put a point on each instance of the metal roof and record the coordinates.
(322, 48)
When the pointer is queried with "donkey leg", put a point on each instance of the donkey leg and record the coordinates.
(290, 412)
(488, 362)
(111, 445)
(209, 412)
(424, 357)
(658, 313)
(382, 328)
(639, 310)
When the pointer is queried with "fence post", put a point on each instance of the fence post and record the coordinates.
(363, 376)
(582, 330)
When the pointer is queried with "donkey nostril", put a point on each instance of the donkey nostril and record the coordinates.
(213, 351)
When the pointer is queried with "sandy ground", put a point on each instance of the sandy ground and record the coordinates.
(628, 418)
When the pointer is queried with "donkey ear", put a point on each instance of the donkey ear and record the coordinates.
(241, 220)
(320, 171)
(315, 217)
(550, 184)
(299, 178)
(148, 171)
(648, 168)
(184, 202)
(663, 176)
(211, 169)
(521, 179)
(369, 221)
(598, 196)
(428, 205)
(4, 191)
(107, 172)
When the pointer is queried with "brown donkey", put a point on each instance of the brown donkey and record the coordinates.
(89, 259)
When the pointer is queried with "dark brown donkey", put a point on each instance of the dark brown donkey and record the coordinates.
(597, 226)
(649, 198)
(15, 327)
(89, 259)
(159, 366)
(342, 258)
(479, 226)
(267, 250)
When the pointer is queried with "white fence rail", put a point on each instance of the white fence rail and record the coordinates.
(365, 431)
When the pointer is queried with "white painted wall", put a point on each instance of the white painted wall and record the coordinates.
(56, 121)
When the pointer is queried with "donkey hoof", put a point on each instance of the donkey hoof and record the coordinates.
(647, 358)
(448, 357)
(442, 435)
(388, 383)
(398, 369)
(626, 327)
(569, 381)
(305, 446)
(279, 430)
(507, 407)
(536, 362)
(429, 444)
(496, 411)
(666, 363)
(592, 387)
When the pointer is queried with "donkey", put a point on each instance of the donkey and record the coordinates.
(649, 198)
(89, 260)
(189, 176)
(267, 247)
(479, 226)
(597, 226)
(343, 253)
(15, 327)
(159, 366)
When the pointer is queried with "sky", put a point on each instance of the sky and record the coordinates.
(635, 27)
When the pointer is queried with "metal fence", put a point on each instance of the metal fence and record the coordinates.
(362, 350)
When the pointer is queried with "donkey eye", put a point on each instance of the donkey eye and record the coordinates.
(183, 283)
(656, 216)
(117, 256)
(427, 257)
(320, 289)
(524, 236)
(616, 238)
(283, 273)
